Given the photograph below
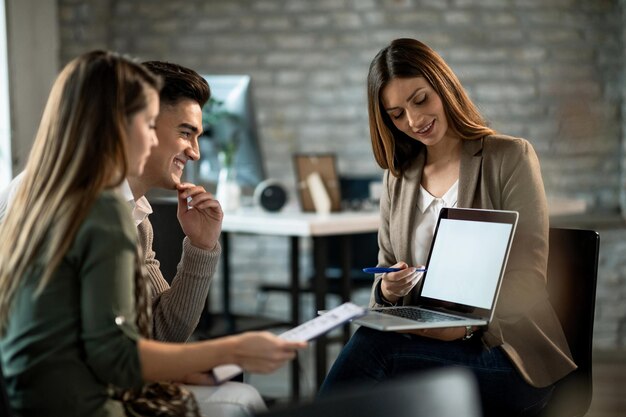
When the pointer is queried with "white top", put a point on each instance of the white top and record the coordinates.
(141, 208)
(427, 215)
(8, 194)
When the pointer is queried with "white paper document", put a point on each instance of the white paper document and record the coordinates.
(306, 331)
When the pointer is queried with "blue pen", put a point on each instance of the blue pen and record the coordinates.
(377, 270)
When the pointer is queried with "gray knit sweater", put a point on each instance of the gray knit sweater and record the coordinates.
(176, 310)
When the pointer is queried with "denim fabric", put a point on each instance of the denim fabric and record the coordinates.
(371, 357)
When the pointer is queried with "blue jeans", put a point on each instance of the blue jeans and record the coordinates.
(372, 357)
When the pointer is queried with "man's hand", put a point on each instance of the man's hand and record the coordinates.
(200, 217)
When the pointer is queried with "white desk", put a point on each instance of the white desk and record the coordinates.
(295, 225)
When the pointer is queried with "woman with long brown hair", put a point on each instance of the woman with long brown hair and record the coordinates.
(74, 313)
(437, 151)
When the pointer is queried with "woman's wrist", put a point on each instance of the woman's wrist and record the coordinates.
(386, 298)
(391, 299)
(469, 332)
(228, 352)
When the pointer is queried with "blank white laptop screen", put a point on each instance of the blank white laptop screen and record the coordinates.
(471, 276)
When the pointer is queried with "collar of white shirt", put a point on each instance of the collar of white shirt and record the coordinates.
(449, 199)
(141, 208)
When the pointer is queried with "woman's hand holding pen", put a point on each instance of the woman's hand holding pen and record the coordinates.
(395, 285)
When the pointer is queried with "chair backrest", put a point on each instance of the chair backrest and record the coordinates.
(426, 394)
(168, 236)
(572, 277)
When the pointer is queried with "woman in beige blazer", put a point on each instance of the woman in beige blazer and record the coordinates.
(438, 152)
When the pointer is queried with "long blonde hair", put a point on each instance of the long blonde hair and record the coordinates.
(409, 58)
(79, 150)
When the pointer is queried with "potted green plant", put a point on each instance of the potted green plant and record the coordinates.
(222, 128)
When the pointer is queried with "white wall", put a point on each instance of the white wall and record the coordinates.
(33, 50)
(5, 124)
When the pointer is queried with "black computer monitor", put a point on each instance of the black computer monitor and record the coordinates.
(235, 94)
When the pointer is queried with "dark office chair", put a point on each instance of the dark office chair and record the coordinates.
(168, 236)
(363, 247)
(426, 394)
(572, 276)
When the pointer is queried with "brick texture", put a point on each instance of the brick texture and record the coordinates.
(547, 70)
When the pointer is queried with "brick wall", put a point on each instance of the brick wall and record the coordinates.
(546, 70)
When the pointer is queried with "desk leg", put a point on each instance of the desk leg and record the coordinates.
(320, 252)
(295, 311)
(346, 279)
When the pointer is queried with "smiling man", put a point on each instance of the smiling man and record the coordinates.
(176, 310)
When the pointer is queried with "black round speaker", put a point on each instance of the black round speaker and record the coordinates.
(271, 195)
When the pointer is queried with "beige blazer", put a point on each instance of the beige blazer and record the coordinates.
(502, 173)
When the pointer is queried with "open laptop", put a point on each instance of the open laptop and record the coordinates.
(464, 271)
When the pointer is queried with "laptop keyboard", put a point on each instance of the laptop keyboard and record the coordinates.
(417, 314)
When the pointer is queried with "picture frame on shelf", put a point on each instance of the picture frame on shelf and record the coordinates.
(317, 182)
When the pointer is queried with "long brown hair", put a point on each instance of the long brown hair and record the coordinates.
(79, 150)
(409, 58)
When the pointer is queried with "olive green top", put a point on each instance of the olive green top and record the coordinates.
(62, 348)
